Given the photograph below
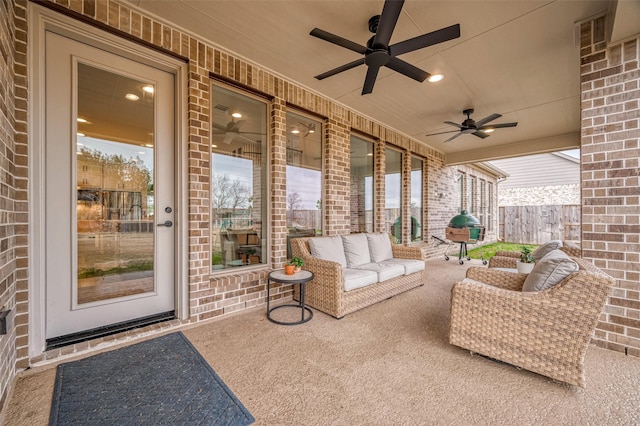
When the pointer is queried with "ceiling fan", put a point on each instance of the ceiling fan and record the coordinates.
(378, 53)
(479, 128)
(233, 129)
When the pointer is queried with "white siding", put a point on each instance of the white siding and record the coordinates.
(548, 169)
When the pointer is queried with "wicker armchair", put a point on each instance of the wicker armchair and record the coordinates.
(546, 332)
(507, 259)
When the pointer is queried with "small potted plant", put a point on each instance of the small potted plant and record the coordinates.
(293, 266)
(526, 262)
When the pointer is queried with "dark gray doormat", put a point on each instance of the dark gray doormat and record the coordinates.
(163, 381)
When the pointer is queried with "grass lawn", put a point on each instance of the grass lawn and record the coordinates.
(489, 250)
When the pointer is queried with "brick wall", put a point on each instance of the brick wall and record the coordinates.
(13, 190)
(610, 175)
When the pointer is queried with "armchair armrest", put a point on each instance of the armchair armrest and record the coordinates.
(503, 262)
(500, 279)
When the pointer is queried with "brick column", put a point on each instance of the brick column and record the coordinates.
(610, 92)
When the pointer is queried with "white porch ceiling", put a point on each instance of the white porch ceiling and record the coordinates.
(516, 58)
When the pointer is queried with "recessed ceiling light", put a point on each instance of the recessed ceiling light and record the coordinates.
(132, 97)
(433, 78)
(81, 120)
(148, 89)
(214, 146)
(236, 115)
(149, 145)
(295, 131)
(80, 135)
(370, 154)
(488, 130)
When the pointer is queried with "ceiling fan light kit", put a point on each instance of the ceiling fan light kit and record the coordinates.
(479, 128)
(378, 53)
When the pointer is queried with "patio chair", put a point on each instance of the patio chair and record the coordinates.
(545, 331)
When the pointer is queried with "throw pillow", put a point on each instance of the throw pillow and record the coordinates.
(549, 271)
(546, 248)
(356, 250)
(328, 248)
(379, 247)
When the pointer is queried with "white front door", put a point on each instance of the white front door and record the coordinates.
(109, 189)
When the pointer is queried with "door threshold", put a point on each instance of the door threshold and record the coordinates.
(83, 336)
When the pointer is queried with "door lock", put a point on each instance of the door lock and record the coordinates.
(166, 223)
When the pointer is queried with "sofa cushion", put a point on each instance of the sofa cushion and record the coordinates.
(328, 248)
(549, 271)
(385, 271)
(546, 248)
(357, 278)
(356, 250)
(379, 247)
(410, 265)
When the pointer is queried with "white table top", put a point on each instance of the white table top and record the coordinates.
(280, 276)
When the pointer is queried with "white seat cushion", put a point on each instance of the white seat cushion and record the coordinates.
(328, 248)
(357, 278)
(379, 247)
(385, 271)
(356, 250)
(410, 265)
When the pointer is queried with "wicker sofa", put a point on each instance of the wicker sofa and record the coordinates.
(546, 331)
(327, 291)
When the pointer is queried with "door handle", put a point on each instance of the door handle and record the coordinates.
(166, 223)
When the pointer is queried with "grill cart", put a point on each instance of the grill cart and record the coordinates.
(464, 229)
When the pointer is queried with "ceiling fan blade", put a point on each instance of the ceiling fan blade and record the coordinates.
(451, 123)
(442, 133)
(388, 19)
(370, 80)
(480, 134)
(407, 69)
(338, 70)
(340, 41)
(425, 40)
(498, 126)
(485, 120)
(453, 137)
(228, 137)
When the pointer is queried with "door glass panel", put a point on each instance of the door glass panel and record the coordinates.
(393, 194)
(361, 184)
(114, 185)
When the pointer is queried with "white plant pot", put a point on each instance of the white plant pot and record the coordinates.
(524, 268)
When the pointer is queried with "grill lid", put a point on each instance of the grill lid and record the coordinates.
(464, 220)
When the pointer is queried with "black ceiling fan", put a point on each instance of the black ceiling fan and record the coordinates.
(479, 128)
(378, 53)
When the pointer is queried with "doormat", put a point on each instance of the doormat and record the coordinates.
(160, 381)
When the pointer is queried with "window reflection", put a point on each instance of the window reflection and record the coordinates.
(416, 199)
(304, 177)
(238, 179)
(393, 194)
(361, 185)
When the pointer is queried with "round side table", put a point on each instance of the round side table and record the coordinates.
(300, 278)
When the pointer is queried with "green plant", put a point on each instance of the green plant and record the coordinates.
(525, 255)
(298, 262)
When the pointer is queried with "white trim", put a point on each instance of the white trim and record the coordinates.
(40, 20)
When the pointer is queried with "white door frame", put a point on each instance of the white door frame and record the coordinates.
(40, 20)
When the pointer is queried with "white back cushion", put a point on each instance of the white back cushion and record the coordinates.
(379, 247)
(328, 248)
(546, 248)
(549, 271)
(356, 250)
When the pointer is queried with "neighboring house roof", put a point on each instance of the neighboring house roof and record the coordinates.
(549, 169)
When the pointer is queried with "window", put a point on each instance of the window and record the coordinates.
(304, 177)
(460, 190)
(471, 195)
(483, 203)
(238, 179)
(416, 199)
(490, 207)
(393, 194)
(361, 185)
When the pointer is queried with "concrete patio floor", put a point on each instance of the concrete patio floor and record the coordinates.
(388, 364)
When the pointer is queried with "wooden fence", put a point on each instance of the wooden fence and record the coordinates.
(539, 224)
